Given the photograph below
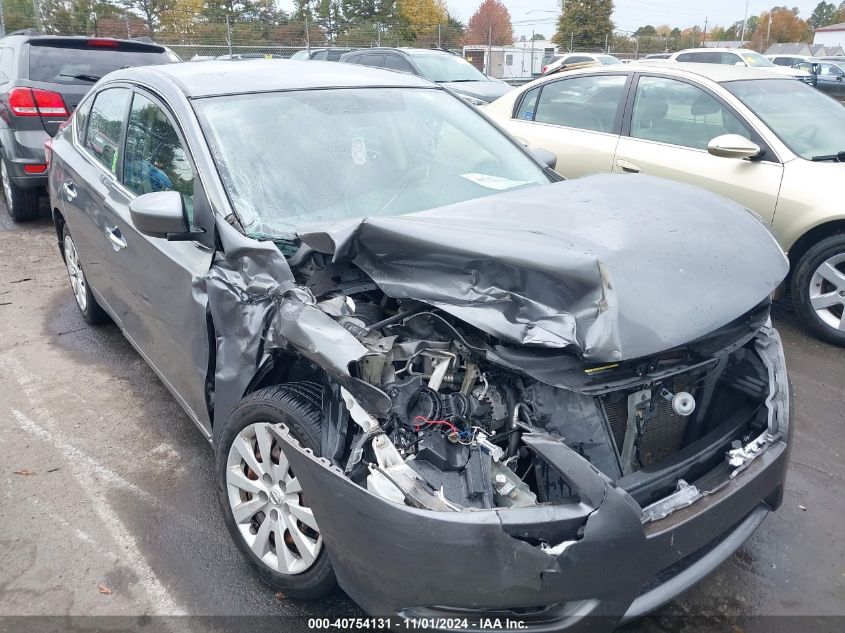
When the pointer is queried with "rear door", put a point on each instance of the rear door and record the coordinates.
(89, 178)
(577, 118)
(669, 124)
(70, 66)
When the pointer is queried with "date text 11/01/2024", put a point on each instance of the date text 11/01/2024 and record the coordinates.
(432, 624)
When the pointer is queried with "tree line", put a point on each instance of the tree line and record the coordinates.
(337, 22)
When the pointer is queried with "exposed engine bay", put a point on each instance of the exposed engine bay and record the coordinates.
(451, 439)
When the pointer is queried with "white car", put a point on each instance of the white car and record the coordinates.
(772, 144)
(580, 58)
(738, 57)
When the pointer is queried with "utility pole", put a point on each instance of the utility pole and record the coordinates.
(532, 53)
(606, 40)
(704, 41)
(768, 31)
(229, 34)
(2, 21)
(744, 22)
(439, 37)
(126, 22)
(37, 11)
(489, 51)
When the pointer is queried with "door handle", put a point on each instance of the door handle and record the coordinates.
(70, 191)
(116, 239)
(628, 167)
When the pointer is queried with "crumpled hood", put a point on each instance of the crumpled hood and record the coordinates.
(484, 90)
(615, 267)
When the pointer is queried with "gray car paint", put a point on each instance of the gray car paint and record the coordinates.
(256, 308)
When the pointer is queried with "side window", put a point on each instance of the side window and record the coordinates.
(102, 137)
(577, 59)
(587, 103)
(155, 157)
(829, 70)
(686, 57)
(731, 59)
(372, 59)
(782, 61)
(394, 62)
(320, 55)
(529, 105)
(81, 119)
(509, 59)
(678, 113)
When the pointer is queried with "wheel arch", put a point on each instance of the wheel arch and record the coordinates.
(59, 224)
(811, 237)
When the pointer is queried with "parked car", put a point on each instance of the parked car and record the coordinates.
(242, 56)
(829, 76)
(580, 58)
(417, 354)
(738, 57)
(747, 134)
(332, 54)
(43, 78)
(658, 56)
(442, 67)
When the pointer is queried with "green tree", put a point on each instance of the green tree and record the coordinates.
(648, 29)
(824, 14)
(151, 11)
(331, 19)
(586, 22)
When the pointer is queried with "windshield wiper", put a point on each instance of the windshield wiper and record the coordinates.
(838, 157)
(92, 78)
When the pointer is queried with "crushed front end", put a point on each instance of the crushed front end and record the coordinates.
(477, 490)
(542, 404)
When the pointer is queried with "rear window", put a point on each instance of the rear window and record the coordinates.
(73, 64)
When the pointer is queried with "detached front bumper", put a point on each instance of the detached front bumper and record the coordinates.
(547, 566)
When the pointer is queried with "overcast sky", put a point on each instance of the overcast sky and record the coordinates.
(541, 15)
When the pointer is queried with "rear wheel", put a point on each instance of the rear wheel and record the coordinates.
(22, 204)
(263, 504)
(818, 289)
(85, 301)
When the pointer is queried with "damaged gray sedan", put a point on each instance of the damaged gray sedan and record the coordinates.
(432, 374)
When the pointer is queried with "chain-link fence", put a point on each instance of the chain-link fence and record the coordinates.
(208, 29)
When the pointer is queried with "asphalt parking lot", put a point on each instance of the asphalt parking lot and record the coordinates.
(108, 500)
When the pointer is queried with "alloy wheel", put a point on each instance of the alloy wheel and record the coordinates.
(74, 271)
(267, 504)
(827, 292)
(7, 187)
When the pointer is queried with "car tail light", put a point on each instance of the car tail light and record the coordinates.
(544, 69)
(36, 102)
(48, 152)
(35, 169)
(104, 42)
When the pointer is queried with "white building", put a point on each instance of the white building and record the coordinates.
(511, 63)
(833, 35)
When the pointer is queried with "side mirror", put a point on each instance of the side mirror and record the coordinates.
(547, 158)
(733, 146)
(159, 214)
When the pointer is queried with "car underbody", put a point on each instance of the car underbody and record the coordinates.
(485, 452)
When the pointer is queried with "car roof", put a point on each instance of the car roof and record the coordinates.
(266, 75)
(716, 49)
(24, 38)
(715, 72)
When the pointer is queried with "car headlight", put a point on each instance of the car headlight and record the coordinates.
(473, 100)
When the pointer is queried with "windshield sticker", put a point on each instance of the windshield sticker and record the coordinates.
(494, 182)
(359, 151)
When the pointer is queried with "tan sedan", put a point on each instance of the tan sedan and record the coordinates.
(772, 144)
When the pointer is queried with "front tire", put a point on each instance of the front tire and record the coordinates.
(85, 301)
(818, 289)
(263, 504)
(22, 204)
